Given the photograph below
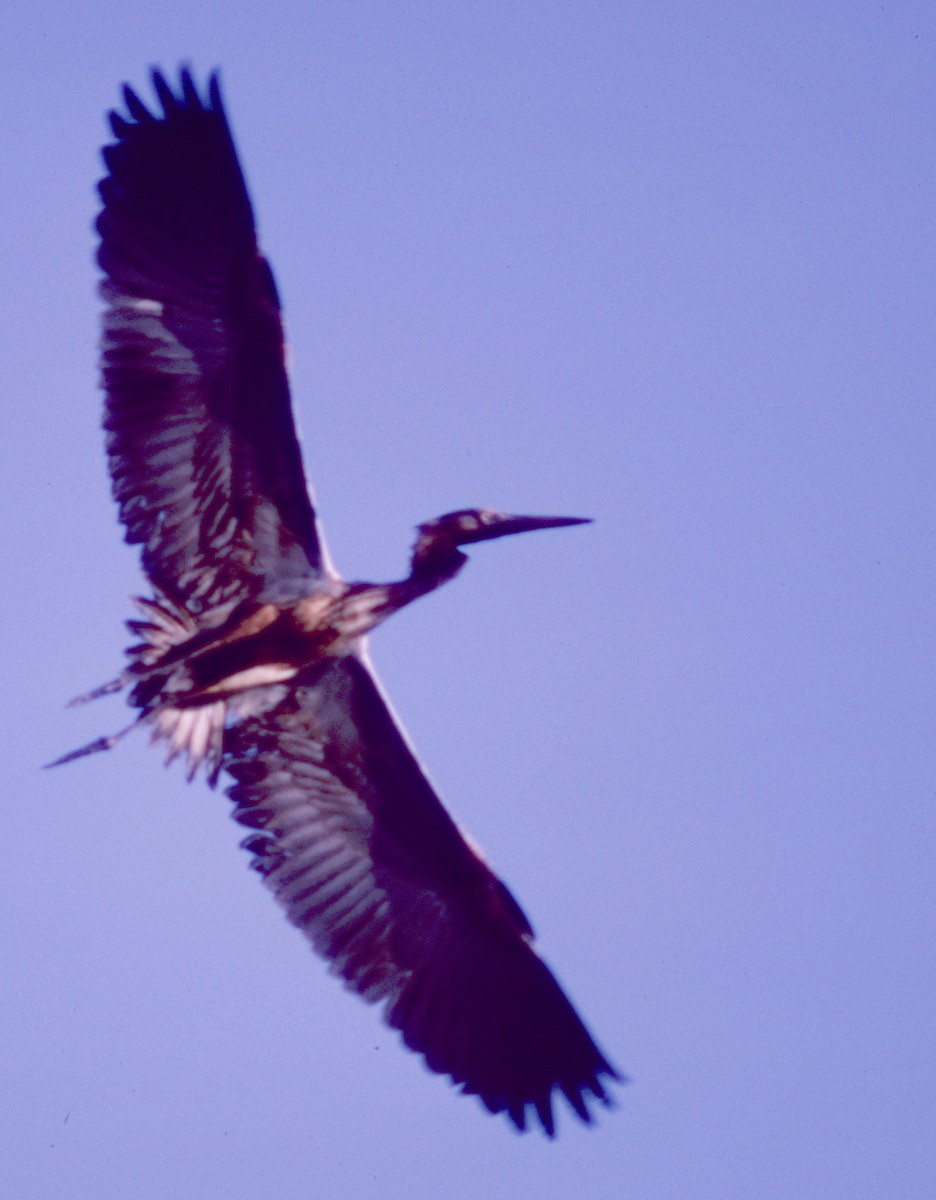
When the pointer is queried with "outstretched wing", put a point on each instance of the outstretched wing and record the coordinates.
(203, 452)
(358, 849)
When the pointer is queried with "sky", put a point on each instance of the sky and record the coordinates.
(668, 266)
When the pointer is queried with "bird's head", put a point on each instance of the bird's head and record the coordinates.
(438, 540)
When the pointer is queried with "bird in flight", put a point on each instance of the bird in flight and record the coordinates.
(250, 655)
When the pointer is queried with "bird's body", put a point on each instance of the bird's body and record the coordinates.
(251, 654)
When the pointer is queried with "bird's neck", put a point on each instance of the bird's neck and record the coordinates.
(362, 606)
(431, 566)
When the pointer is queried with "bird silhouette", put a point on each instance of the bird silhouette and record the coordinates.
(251, 653)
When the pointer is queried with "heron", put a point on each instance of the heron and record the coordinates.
(251, 652)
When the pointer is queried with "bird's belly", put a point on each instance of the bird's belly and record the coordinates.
(235, 663)
(261, 675)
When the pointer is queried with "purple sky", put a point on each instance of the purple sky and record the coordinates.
(671, 270)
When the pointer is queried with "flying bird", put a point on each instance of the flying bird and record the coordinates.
(250, 654)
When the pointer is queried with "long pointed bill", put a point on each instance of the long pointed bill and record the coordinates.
(501, 524)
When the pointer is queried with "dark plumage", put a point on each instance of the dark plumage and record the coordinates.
(251, 655)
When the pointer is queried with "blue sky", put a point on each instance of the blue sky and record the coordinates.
(670, 267)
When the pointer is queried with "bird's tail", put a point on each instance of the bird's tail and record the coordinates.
(194, 731)
(165, 627)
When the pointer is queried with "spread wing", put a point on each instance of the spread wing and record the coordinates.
(358, 849)
(203, 452)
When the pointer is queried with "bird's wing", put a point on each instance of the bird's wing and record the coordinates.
(203, 452)
(359, 850)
